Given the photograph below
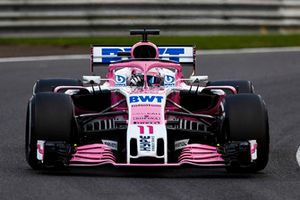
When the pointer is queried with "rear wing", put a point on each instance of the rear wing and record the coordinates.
(104, 55)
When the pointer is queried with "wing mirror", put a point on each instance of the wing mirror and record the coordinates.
(91, 79)
(198, 79)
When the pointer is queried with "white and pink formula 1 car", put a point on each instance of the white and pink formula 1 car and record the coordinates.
(144, 113)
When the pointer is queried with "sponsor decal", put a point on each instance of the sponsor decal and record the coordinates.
(253, 149)
(145, 99)
(147, 143)
(146, 114)
(110, 54)
(111, 144)
(120, 80)
(180, 144)
(40, 150)
(145, 117)
(113, 52)
(169, 81)
(171, 51)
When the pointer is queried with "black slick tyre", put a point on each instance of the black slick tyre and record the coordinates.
(247, 119)
(50, 117)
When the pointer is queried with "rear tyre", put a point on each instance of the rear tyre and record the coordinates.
(247, 119)
(48, 85)
(242, 86)
(49, 117)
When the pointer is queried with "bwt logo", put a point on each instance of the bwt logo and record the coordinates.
(120, 79)
(163, 51)
(145, 99)
(169, 79)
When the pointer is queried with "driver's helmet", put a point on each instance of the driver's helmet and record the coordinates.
(154, 79)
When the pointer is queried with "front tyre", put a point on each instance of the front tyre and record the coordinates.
(50, 117)
(247, 119)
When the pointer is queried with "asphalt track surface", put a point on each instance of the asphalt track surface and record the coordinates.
(276, 77)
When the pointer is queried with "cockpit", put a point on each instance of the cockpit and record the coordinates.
(135, 77)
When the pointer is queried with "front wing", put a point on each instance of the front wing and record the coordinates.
(241, 153)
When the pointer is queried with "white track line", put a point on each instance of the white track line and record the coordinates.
(249, 51)
(200, 52)
(298, 156)
(43, 58)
